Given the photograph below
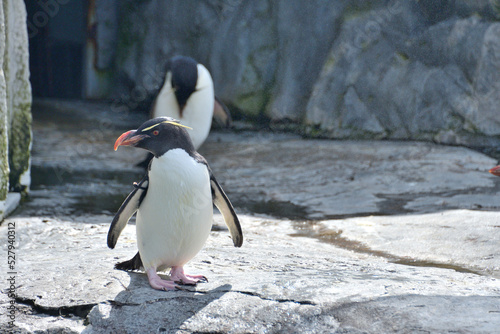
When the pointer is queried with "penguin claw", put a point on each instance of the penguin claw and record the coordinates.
(198, 278)
(177, 275)
(181, 282)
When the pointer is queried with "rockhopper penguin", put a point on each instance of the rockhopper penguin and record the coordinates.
(187, 94)
(174, 204)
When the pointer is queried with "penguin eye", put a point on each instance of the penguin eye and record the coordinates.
(156, 132)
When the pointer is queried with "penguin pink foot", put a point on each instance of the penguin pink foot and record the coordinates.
(160, 284)
(177, 275)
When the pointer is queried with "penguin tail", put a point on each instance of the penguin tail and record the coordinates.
(134, 263)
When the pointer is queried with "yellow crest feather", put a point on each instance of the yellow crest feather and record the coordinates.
(169, 122)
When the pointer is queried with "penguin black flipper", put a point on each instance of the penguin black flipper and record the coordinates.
(222, 116)
(226, 208)
(127, 210)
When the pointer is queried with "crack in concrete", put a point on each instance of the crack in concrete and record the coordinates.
(80, 311)
(120, 304)
(279, 300)
(248, 293)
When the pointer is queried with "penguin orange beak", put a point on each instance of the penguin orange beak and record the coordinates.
(495, 170)
(129, 138)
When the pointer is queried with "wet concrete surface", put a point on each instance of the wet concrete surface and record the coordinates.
(275, 174)
(75, 171)
(334, 231)
(76, 175)
(321, 179)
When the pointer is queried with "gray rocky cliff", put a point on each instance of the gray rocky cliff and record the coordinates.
(340, 69)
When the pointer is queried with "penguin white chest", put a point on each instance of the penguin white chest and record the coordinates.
(175, 218)
(199, 108)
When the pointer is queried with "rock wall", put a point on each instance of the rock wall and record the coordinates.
(341, 69)
(15, 104)
(412, 71)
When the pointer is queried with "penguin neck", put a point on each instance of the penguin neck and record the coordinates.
(173, 158)
(164, 157)
(176, 164)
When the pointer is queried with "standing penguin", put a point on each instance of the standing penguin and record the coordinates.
(187, 94)
(174, 204)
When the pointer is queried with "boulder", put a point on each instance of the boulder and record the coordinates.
(417, 81)
(15, 105)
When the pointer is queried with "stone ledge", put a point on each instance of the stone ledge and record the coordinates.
(278, 280)
(9, 205)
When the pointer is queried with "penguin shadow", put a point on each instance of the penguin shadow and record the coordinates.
(146, 305)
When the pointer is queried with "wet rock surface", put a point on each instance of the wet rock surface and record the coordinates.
(280, 174)
(340, 236)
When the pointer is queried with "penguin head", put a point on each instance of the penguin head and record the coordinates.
(157, 136)
(183, 79)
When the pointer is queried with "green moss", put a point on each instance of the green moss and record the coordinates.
(254, 103)
(19, 145)
(4, 163)
(314, 131)
(132, 30)
(250, 104)
(356, 10)
(403, 56)
(329, 63)
(18, 104)
(4, 159)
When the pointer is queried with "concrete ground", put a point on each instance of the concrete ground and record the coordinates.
(340, 236)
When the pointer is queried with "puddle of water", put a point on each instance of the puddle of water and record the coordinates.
(311, 229)
(274, 208)
(75, 115)
(51, 203)
(77, 192)
(393, 204)
(97, 204)
(420, 263)
(43, 177)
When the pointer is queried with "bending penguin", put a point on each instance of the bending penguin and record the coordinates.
(187, 94)
(174, 204)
